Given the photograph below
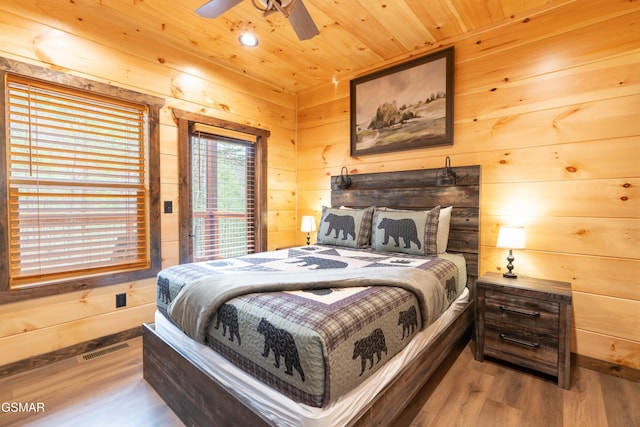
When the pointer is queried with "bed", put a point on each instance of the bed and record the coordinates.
(204, 386)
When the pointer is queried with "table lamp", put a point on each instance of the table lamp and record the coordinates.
(510, 238)
(308, 225)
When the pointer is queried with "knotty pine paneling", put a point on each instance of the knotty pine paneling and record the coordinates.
(595, 120)
(578, 161)
(615, 277)
(30, 328)
(606, 315)
(549, 108)
(170, 253)
(169, 225)
(618, 197)
(281, 179)
(19, 317)
(126, 51)
(605, 237)
(45, 340)
(605, 347)
(600, 121)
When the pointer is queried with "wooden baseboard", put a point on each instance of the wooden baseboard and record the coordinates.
(65, 353)
(605, 367)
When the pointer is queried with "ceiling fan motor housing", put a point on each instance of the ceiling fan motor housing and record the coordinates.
(283, 3)
(274, 5)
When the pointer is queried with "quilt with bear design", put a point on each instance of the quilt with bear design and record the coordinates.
(313, 345)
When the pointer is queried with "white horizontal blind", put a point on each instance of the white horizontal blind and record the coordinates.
(223, 197)
(77, 193)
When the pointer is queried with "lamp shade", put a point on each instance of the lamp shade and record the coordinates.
(308, 224)
(511, 238)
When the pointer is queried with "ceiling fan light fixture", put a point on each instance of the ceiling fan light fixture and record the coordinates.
(293, 10)
(248, 39)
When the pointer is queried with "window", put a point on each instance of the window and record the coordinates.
(222, 196)
(78, 186)
(223, 177)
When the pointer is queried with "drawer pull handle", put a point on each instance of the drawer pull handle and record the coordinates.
(520, 311)
(519, 341)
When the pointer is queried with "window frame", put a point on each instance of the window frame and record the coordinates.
(185, 120)
(152, 155)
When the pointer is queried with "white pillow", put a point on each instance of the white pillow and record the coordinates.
(443, 229)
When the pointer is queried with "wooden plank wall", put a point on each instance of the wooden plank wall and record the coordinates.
(35, 327)
(549, 106)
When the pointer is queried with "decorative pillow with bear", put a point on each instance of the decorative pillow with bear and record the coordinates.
(444, 224)
(345, 227)
(410, 232)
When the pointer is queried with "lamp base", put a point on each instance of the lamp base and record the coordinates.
(510, 274)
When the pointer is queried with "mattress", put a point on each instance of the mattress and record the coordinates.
(277, 409)
(312, 345)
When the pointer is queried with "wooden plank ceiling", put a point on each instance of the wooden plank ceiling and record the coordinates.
(355, 35)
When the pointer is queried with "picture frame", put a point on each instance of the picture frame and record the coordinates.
(403, 107)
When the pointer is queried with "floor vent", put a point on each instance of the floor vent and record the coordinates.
(102, 352)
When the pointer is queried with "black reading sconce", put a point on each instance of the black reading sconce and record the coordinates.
(343, 181)
(446, 176)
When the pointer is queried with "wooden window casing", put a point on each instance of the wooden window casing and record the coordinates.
(82, 196)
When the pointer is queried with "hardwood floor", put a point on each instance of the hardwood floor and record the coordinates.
(109, 390)
(104, 391)
(492, 393)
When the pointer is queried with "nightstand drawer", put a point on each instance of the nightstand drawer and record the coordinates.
(504, 311)
(523, 348)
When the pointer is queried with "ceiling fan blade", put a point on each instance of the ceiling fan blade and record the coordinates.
(215, 8)
(302, 22)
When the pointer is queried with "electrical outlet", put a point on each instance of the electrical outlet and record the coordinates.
(121, 300)
(168, 206)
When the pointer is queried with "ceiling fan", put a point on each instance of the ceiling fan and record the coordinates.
(294, 10)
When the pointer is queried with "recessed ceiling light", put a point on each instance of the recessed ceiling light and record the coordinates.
(248, 39)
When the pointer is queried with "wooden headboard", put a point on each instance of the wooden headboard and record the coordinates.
(417, 189)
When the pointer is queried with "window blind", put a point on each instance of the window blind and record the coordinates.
(77, 183)
(223, 196)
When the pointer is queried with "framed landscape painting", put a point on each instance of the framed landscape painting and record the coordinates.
(403, 107)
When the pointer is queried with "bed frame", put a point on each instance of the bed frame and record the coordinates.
(190, 393)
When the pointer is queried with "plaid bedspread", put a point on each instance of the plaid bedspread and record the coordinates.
(313, 345)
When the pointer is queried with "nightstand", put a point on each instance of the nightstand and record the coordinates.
(527, 322)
